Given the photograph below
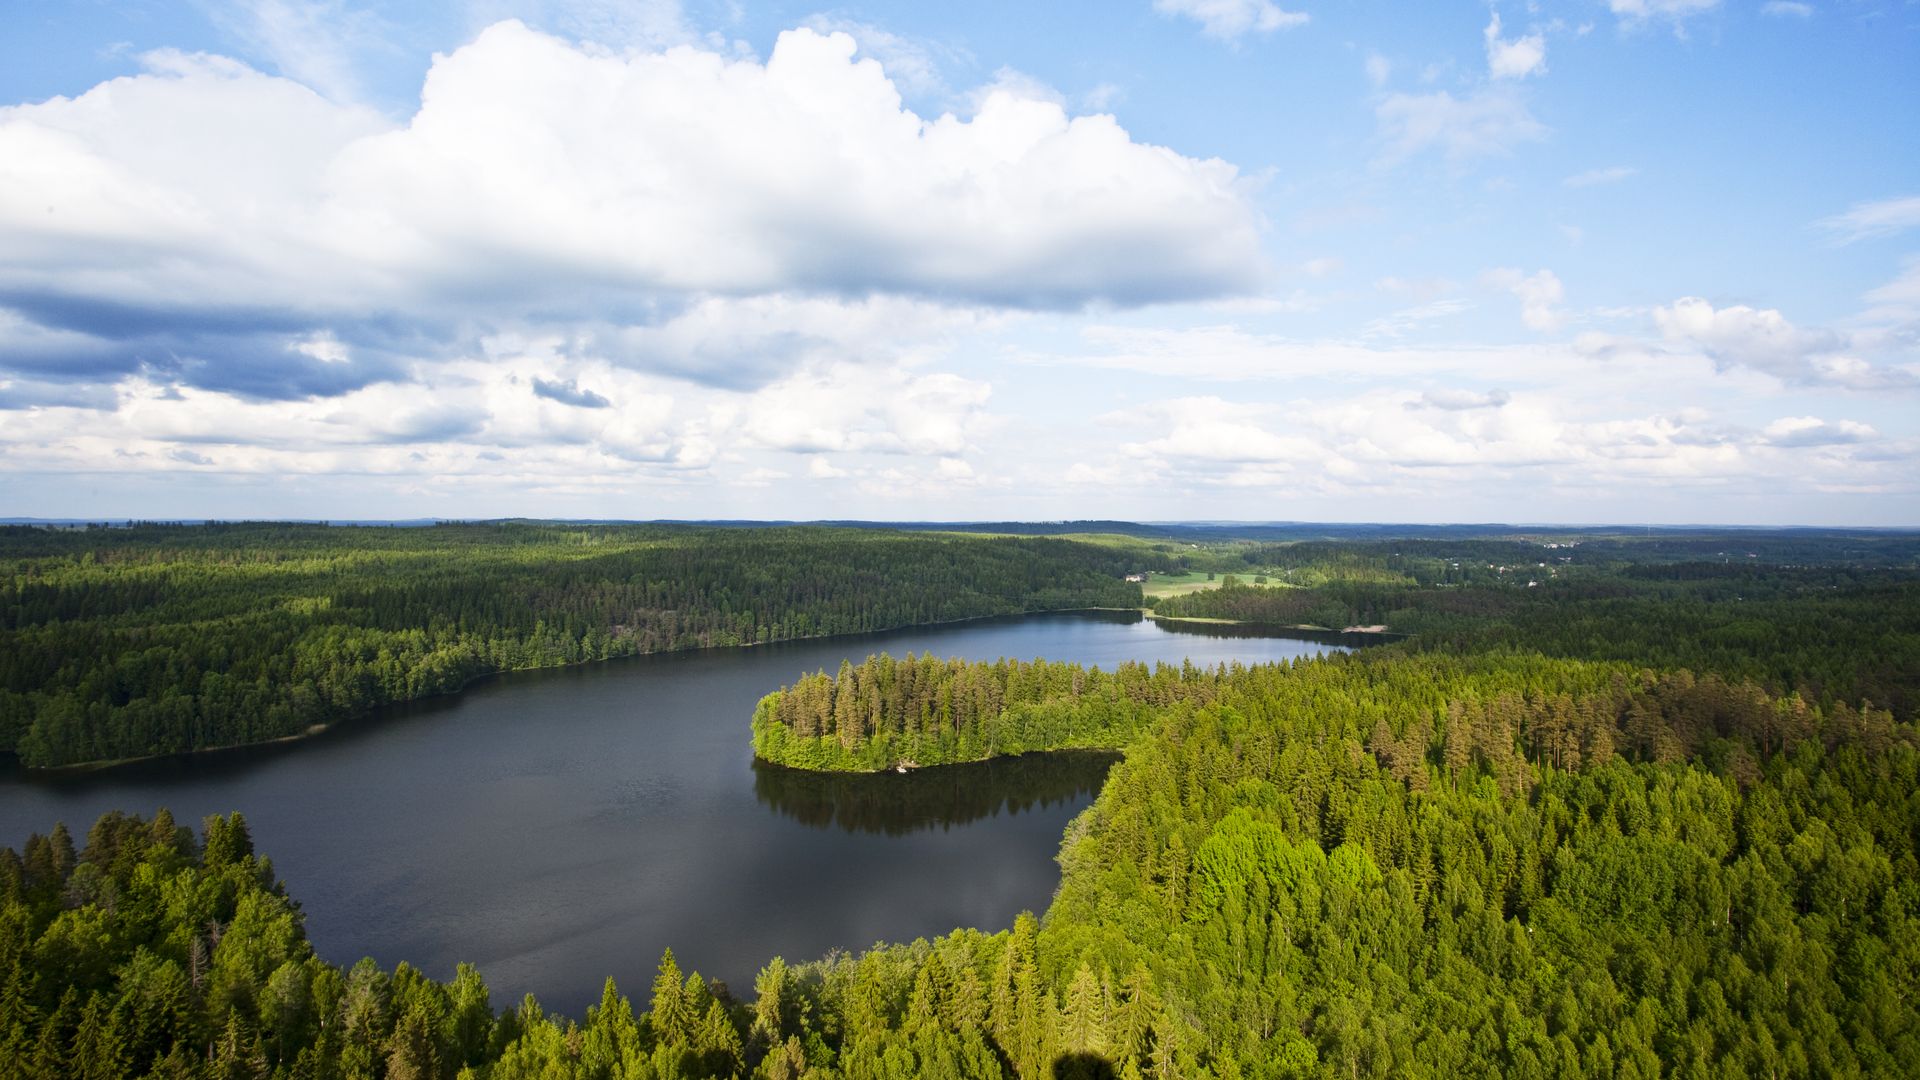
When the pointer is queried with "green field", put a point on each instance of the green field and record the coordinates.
(1162, 585)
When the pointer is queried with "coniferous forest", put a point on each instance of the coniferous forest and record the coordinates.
(119, 643)
(1657, 815)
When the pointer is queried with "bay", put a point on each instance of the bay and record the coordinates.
(558, 827)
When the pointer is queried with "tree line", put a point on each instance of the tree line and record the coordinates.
(118, 643)
(1831, 633)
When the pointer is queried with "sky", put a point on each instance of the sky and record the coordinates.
(1599, 261)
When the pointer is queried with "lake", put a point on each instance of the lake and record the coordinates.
(557, 827)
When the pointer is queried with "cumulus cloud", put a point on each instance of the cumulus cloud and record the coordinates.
(1871, 220)
(1540, 296)
(1516, 59)
(1487, 122)
(912, 64)
(1231, 19)
(1761, 339)
(1813, 431)
(547, 184)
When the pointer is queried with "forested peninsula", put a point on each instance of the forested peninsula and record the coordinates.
(155, 639)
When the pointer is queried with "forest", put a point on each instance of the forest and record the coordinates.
(1832, 633)
(1376, 865)
(129, 642)
(1546, 835)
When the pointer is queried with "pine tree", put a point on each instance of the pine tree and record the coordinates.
(770, 1004)
(1084, 1025)
(671, 1014)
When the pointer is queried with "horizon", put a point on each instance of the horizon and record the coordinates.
(933, 524)
(1175, 261)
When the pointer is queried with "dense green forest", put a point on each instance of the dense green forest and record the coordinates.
(1831, 633)
(921, 710)
(153, 639)
(1657, 815)
(1376, 865)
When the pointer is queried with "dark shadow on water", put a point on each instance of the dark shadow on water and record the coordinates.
(894, 804)
(1335, 638)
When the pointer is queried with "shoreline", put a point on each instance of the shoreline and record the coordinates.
(913, 769)
(316, 730)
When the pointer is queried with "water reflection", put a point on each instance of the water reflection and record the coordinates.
(1337, 639)
(895, 804)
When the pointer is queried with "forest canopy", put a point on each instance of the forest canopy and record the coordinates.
(126, 642)
(1651, 818)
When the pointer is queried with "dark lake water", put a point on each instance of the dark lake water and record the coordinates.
(558, 827)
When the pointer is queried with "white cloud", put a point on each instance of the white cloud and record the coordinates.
(912, 64)
(226, 212)
(743, 342)
(1787, 9)
(1540, 296)
(1740, 335)
(1612, 174)
(1764, 340)
(1490, 121)
(525, 408)
(1870, 220)
(821, 180)
(1231, 19)
(1813, 431)
(1516, 59)
(1212, 430)
(954, 469)
(858, 409)
(1452, 448)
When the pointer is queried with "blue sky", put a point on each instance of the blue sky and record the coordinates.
(1620, 260)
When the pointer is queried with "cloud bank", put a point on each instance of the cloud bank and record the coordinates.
(544, 183)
